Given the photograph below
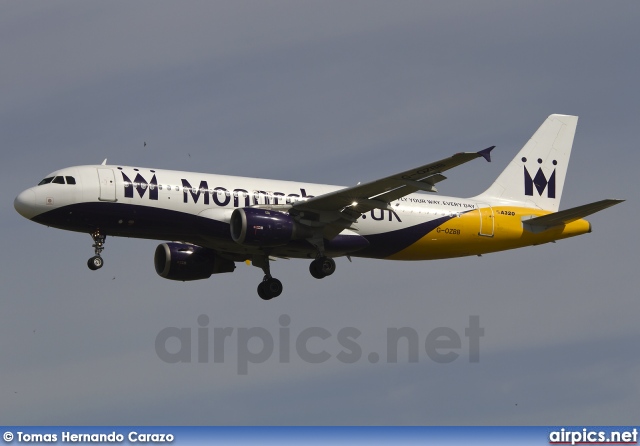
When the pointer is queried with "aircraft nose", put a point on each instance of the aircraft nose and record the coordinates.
(25, 203)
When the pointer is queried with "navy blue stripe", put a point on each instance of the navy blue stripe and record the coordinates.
(388, 243)
(129, 220)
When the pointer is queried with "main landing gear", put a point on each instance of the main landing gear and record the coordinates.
(322, 267)
(96, 261)
(271, 287)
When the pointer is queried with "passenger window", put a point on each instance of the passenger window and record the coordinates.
(58, 180)
(45, 181)
(70, 180)
(168, 187)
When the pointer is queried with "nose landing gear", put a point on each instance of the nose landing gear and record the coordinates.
(96, 261)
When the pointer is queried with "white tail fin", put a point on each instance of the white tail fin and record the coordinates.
(535, 177)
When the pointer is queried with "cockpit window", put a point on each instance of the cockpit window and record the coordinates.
(58, 180)
(45, 181)
(70, 180)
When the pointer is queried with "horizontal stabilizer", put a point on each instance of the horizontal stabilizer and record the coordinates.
(568, 215)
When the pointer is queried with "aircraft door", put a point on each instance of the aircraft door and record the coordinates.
(107, 185)
(486, 220)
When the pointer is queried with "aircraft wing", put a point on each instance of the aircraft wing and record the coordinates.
(349, 203)
(378, 193)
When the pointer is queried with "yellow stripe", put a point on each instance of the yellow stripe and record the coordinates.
(502, 229)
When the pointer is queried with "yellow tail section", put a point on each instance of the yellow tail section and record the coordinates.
(468, 234)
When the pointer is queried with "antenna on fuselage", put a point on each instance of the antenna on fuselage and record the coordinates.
(104, 163)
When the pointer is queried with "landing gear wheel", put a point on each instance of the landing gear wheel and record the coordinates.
(314, 272)
(95, 263)
(322, 267)
(269, 288)
(261, 292)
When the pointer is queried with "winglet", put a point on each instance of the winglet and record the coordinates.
(486, 153)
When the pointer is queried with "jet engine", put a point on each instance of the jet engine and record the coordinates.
(184, 261)
(262, 227)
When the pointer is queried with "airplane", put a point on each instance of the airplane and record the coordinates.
(217, 220)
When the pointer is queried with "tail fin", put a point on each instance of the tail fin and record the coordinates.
(535, 177)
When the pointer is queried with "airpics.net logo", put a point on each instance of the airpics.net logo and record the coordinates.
(592, 436)
(313, 345)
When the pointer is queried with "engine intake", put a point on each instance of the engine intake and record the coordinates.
(183, 261)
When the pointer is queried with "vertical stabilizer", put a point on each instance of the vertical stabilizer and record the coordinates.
(535, 177)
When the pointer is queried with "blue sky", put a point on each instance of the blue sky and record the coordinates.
(328, 92)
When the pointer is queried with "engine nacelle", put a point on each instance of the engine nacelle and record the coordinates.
(262, 227)
(183, 261)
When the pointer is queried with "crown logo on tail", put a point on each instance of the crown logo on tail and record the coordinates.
(539, 181)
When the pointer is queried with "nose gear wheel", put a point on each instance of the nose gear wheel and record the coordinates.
(96, 261)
